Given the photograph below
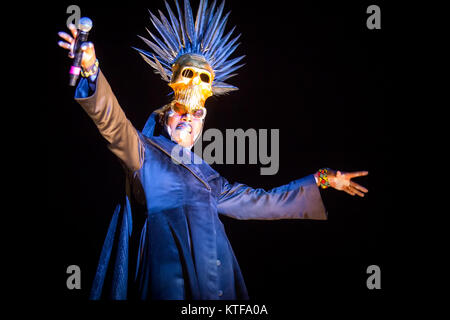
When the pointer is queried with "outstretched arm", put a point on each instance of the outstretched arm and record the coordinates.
(96, 97)
(300, 199)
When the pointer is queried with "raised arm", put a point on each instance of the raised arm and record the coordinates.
(94, 94)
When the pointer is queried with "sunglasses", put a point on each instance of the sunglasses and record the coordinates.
(180, 110)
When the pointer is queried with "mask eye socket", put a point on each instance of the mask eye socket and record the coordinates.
(204, 77)
(187, 73)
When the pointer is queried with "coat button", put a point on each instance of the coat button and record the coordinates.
(218, 262)
(220, 293)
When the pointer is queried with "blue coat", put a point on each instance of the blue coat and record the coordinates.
(184, 252)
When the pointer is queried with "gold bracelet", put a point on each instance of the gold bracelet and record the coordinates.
(94, 69)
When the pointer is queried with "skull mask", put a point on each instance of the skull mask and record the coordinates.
(191, 82)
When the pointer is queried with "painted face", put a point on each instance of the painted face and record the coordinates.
(184, 128)
(192, 84)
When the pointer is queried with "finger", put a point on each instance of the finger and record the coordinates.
(64, 45)
(65, 36)
(73, 29)
(86, 46)
(357, 174)
(359, 187)
(356, 192)
(349, 191)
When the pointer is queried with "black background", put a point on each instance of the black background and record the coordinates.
(313, 70)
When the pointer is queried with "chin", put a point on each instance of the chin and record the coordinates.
(185, 145)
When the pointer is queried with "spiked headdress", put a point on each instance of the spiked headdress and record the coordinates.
(204, 37)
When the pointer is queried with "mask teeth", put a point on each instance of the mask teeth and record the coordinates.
(190, 97)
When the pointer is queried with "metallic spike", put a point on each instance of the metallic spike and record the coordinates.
(217, 35)
(173, 34)
(200, 19)
(189, 21)
(175, 25)
(208, 18)
(212, 27)
(180, 19)
(166, 24)
(144, 55)
(221, 88)
(228, 64)
(171, 43)
(225, 52)
(161, 45)
(221, 76)
(161, 70)
(167, 69)
(220, 44)
(146, 59)
(157, 49)
(229, 76)
(210, 14)
(164, 64)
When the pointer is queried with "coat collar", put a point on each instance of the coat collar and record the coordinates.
(158, 137)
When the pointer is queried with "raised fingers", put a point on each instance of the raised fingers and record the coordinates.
(358, 187)
(357, 192)
(73, 29)
(352, 191)
(64, 45)
(349, 191)
(66, 37)
(356, 174)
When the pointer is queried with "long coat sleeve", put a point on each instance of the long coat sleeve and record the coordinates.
(103, 108)
(299, 199)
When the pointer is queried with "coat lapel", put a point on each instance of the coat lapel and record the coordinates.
(190, 161)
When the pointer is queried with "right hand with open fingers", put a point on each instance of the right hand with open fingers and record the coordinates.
(88, 58)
